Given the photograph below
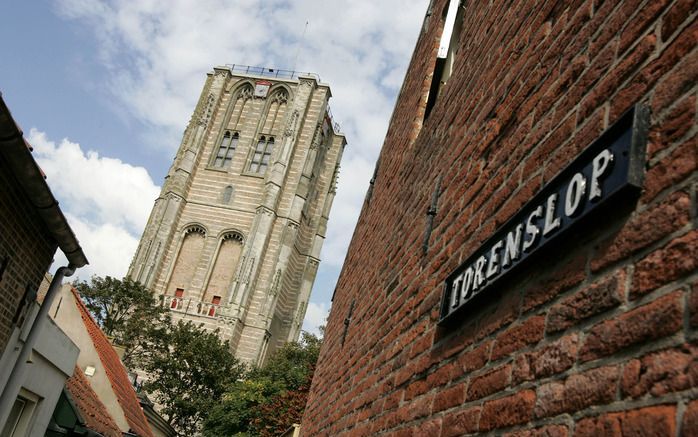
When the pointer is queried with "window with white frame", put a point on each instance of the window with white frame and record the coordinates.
(21, 414)
(448, 45)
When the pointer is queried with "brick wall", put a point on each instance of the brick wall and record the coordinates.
(597, 337)
(27, 245)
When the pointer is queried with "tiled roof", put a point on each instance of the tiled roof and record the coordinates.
(116, 372)
(92, 410)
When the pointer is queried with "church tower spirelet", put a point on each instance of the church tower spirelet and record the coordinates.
(233, 241)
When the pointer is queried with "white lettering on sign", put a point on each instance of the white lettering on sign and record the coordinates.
(575, 191)
(511, 251)
(504, 253)
(598, 168)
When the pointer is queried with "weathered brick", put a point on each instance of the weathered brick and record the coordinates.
(612, 22)
(516, 337)
(560, 277)
(443, 374)
(673, 127)
(503, 312)
(449, 397)
(693, 305)
(671, 169)
(508, 411)
(677, 82)
(642, 19)
(656, 421)
(553, 358)
(491, 382)
(689, 426)
(419, 407)
(593, 387)
(644, 229)
(460, 422)
(594, 299)
(415, 388)
(662, 372)
(430, 427)
(476, 358)
(26, 246)
(543, 431)
(675, 16)
(617, 75)
(666, 264)
(648, 322)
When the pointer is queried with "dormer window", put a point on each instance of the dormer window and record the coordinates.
(226, 150)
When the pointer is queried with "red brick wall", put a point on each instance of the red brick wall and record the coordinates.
(597, 337)
(23, 238)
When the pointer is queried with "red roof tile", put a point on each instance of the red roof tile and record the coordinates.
(116, 372)
(92, 410)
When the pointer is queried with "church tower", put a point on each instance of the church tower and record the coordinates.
(233, 240)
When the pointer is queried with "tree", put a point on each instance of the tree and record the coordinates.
(188, 367)
(189, 373)
(271, 398)
(126, 311)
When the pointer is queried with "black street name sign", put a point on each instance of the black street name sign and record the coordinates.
(611, 165)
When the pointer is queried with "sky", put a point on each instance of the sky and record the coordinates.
(104, 89)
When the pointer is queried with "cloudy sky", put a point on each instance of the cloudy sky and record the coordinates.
(104, 89)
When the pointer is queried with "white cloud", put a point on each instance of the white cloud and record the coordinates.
(106, 201)
(315, 316)
(105, 190)
(109, 248)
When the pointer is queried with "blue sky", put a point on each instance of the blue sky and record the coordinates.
(103, 90)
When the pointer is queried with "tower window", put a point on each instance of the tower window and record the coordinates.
(226, 150)
(262, 153)
(227, 194)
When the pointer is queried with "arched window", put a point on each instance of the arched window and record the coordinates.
(224, 267)
(226, 150)
(262, 154)
(227, 195)
(276, 113)
(244, 96)
(186, 262)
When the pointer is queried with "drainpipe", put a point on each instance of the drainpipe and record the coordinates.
(21, 366)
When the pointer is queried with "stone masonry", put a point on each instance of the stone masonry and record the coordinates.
(233, 240)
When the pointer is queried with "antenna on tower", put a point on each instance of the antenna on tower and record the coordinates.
(300, 43)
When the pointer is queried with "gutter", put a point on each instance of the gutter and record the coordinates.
(17, 152)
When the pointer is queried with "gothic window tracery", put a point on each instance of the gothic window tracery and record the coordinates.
(276, 112)
(262, 154)
(226, 149)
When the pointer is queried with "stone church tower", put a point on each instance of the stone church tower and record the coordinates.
(234, 238)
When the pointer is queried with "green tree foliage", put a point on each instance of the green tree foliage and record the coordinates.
(189, 367)
(189, 374)
(271, 398)
(126, 311)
